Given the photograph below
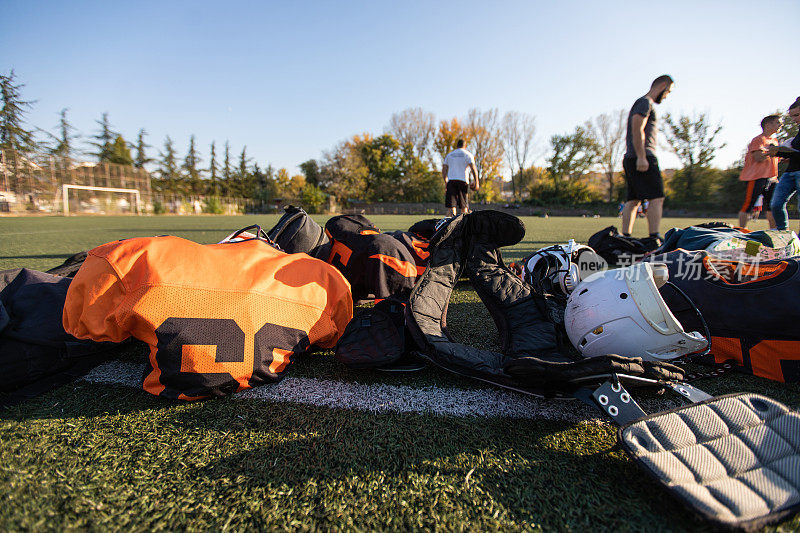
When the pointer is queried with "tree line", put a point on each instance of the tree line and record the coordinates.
(401, 163)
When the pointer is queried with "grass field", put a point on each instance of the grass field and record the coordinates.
(365, 455)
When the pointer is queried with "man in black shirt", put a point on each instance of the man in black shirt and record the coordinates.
(642, 175)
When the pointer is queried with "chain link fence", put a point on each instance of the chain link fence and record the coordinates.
(32, 183)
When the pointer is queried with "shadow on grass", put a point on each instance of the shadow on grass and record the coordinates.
(36, 256)
(524, 469)
(84, 400)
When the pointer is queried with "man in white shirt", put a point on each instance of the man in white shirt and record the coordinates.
(454, 174)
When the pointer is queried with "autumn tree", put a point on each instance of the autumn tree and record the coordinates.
(529, 178)
(447, 134)
(608, 131)
(414, 127)
(343, 172)
(419, 182)
(289, 187)
(311, 171)
(518, 132)
(312, 198)
(694, 140)
(367, 168)
(572, 156)
(380, 156)
(485, 145)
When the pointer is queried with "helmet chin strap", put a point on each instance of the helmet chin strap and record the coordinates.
(697, 313)
(570, 279)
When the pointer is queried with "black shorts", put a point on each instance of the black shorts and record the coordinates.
(643, 185)
(755, 188)
(769, 188)
(456, 194)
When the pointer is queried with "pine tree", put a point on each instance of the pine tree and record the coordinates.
(119, 152)
(190, 166)
(13, 134)
(168, 168)
(63, 142)
(263, 184)
(141, 158)
(105, 138)
(226, 171)
(243, 187)
(213, 168)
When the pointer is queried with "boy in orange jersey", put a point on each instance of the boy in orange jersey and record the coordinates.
(760, 170)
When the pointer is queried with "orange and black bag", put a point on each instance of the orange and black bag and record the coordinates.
(377, 265)
(752, 309)
(218, 318)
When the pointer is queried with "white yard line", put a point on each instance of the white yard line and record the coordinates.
(378, 397)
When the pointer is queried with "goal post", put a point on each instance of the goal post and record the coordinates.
(66, 188)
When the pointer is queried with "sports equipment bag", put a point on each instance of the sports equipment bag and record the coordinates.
(36, 354)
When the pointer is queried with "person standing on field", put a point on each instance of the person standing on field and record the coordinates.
(642, 174)
(789, 182)
(454, 174)
(760, 170)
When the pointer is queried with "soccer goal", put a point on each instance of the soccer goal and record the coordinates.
(100, 200)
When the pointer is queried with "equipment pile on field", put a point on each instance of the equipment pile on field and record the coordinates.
(225, 317)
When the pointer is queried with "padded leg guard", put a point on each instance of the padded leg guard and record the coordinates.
(734, 460)
(521, 315)
(530, 361)
(426, 312)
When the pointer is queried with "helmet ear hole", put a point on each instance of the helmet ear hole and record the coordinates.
(623, 295)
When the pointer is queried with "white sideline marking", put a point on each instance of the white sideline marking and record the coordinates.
(377, 397)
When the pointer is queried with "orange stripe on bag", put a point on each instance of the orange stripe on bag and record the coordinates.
(766, 357)
(420, 248)
(405, 268)
(342, 251)
(725, 349)
(726, 270)
(280, 360)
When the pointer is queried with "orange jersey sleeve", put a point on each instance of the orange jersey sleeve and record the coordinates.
(93, 299)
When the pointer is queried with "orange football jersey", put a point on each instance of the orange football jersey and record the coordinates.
(218, 318)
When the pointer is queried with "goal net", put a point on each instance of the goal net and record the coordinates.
(85, 199)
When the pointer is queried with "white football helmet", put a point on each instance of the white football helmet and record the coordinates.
(621, 312)
(561, 267)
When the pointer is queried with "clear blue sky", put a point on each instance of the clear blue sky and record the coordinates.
(291, 79)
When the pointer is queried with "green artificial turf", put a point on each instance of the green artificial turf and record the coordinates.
(108, 457)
